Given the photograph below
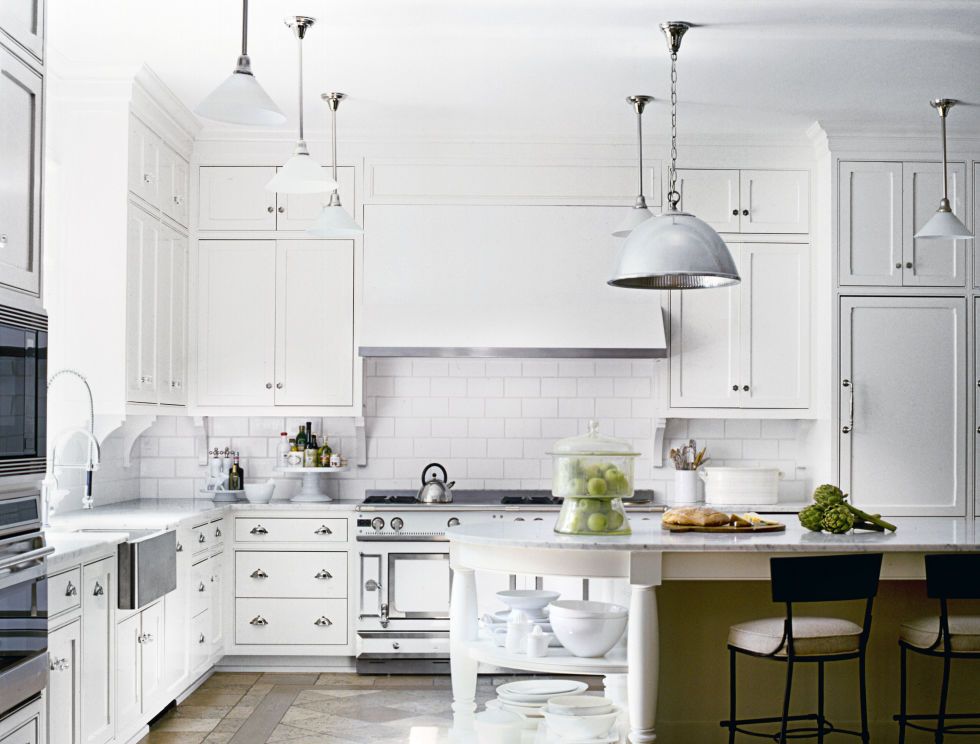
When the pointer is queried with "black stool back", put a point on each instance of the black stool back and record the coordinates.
(953, 576)
(829, 578)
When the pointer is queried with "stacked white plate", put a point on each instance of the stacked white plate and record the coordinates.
(581, 719)
(530, 697)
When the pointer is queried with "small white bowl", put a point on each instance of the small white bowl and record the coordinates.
(528, 600)
(584, 608)
(260, 493)
(581, 727)
(588, 637)
(580, 705)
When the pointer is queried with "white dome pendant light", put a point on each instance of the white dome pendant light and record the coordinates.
(240, 99)
(301, 174)
(944, 224)
(675, 250)
(639, 213)
(334, 222)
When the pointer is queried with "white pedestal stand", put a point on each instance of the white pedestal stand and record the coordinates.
(310, 492)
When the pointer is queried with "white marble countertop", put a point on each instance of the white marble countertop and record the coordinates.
(71, 548)
(915, 534)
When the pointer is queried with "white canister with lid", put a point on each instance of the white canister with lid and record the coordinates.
(740, 486)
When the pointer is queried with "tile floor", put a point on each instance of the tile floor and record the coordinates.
(251, 708)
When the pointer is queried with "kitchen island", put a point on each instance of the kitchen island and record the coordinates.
(645, 559)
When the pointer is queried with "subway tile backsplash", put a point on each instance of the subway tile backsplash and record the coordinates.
(490, 422)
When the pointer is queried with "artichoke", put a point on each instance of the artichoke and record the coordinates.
(811, 517)
(838, 519)
(828, 495)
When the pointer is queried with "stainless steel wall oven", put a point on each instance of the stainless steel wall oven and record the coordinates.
(23, 392)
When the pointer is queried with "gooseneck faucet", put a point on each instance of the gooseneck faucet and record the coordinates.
(94, 450)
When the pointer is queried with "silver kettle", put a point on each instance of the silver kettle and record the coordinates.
(435, 490)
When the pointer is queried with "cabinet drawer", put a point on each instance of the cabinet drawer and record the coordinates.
(26, 734)
(202, 537)
(217, 530)
(291, 622)
(290, 530)
(299, 574)
(63, 591)
(199, 589)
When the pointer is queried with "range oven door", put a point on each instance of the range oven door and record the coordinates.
(23, 621)
(405, 586)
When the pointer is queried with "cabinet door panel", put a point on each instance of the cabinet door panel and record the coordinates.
(976, 211)
(904, 359)
(20, 153)
(164, 311)
(64, 684)
(775, 325)
(235, 198)
(144, 163)
(935, 263)
(712, 196)
(141, 306)
(153, 651)
(298, 211)
(704, 359)
(128, 673)
(23, 21)
(216, 566)
(173, 185)
(237, 309)
(870, 213)
(177, 391)
(315, 300)
(98, 600)
(776, 201)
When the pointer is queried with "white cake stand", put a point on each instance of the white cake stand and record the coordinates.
(310, 493)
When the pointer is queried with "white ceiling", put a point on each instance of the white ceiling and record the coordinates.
(490, 69)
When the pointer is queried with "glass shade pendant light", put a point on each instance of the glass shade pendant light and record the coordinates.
(675, 250)
(240, 99)
(944, 224)
(301, 174)
(639, 213)
(334, 222)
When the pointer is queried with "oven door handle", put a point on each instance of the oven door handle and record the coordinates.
(31, 556)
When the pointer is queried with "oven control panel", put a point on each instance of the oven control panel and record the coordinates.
(418, 525)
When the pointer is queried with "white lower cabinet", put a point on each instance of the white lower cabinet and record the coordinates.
(287, 574)
(98, 628)
(141, 665)
(216, 646)
(64, 684)
(746, 346)
(25, 726)
(903, 405)
(296, 622)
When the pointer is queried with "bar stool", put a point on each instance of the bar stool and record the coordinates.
(813, 640)
(945, 636)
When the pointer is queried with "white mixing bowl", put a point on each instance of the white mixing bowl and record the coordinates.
(259, 493)
(588, 636)
(585, 608)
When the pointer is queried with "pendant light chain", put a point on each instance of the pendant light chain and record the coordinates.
(942, 119)
(333, 139)
(673, 197)
(299, 41)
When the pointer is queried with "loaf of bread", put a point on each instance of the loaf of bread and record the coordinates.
(698, 516)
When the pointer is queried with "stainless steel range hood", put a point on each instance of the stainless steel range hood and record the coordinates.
(514, 352)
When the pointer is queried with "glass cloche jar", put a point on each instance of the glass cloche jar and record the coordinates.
(593, 474)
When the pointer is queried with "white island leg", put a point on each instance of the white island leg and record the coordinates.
(643, 650)
(463, 630)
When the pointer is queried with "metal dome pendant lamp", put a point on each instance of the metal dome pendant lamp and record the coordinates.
(944, 224)
(640, 213)
(240, 99)
(675, 250)
(301, 174)
(334, 222)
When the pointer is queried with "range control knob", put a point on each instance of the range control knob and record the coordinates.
(453, 522)
(397, 523)
(378, 524)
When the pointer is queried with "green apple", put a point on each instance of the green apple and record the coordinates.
(597, 522)
(597, 487)
(615, 521)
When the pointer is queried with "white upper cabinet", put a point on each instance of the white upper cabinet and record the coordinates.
(173, 186)
(20, 153)
(746, 346)
(157, 174)
(276, 323)
(23, 21)
(748, 201)
(236, 322)
(314, 296)
(143, 238)
(881, 205)
(171, 317)
(235, 198)
(903, 406)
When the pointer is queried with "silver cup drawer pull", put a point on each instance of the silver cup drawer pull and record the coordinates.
(258, 620)
(201, 587)
(201, 538)
(323, 530)
(322, 621)
(324, 574)
(259, 574)
(98, 591)
(70, 590)
(258, 530)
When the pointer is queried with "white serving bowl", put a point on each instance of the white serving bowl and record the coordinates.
(584, 608)
(581, 727)
(580, 705)
(260, 493)
(529, 600)
(588, 637)
(498, 727)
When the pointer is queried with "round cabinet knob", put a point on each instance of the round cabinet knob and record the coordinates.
(734, 213)
(453, 522)
(397, 523)
(278, 386)
(282, 210)
(396, 645)
(745, 213)
(845, 430)
(745, 388)
(270, 210)
(378, 524)
(908, 264)
(898, 265)
(734, 387)
(268, 386)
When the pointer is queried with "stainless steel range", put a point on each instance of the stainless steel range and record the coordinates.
(23, 599)
(404, 576)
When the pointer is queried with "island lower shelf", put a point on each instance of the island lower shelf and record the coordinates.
(558, 660)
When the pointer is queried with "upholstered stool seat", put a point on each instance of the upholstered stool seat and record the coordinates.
(923, 632)
(812, 636)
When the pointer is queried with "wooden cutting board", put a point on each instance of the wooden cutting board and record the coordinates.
(727, 528)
